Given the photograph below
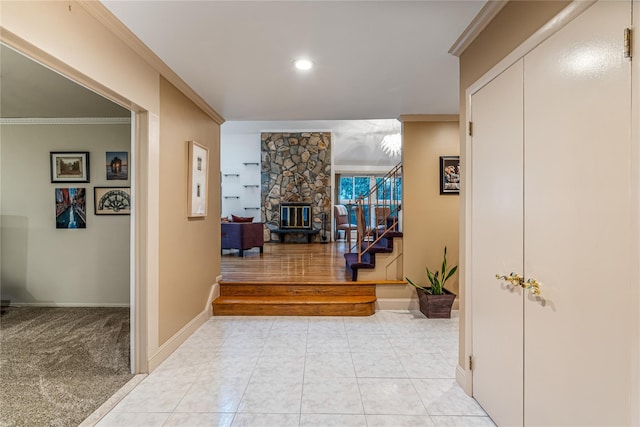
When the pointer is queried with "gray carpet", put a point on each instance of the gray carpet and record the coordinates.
(58, 365)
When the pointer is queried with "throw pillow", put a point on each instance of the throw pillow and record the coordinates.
(241, 218)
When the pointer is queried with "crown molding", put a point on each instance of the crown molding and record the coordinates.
(66, 121)
(429, 118)
(109, 20)
(475, 27)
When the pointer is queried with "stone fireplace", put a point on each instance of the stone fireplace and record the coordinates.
(296, 181)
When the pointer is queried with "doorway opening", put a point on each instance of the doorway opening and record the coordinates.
(66, 258)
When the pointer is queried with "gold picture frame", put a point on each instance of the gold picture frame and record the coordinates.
(197, 203)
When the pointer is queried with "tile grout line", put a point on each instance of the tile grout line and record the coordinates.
(364, 411)
(390, 327)
(235, 414)
(113, 401)
(304, 370)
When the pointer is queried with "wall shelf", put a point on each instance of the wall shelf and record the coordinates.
(231, 197)
(252, 186)
(251, 163)
(247, 209)
(232, 174)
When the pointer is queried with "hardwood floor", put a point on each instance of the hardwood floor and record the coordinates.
(292, 279)
(287, 263)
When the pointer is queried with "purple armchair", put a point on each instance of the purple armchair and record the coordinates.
(242, 235)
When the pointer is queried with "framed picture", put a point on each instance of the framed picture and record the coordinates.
(117, 163)
(112, 200)
(70, 166)
(71, 208)
(198, 178)
(449, 174)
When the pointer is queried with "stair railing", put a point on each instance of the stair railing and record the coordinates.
(377, 211)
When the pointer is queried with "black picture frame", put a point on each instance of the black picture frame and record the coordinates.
(449, 175)
(69, 166)
(112, 200)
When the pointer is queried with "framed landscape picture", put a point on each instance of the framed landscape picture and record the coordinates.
(112, 200)
(69, 166)
(197, 180)
(449, 174)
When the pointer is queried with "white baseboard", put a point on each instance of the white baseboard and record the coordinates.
(177, 340)
(463, 380)
(396, 304)
(213, 294)
(67, 304)
(404, 304)
(181, 336)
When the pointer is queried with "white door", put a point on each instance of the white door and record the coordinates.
(578, 239)
(497, 246)
(567, 105)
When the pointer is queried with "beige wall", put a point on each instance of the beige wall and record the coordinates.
(513, 25)
(68, 35)
(517, 21)
(430, 220)
(82, 40)
(42, 265)
(189, 248)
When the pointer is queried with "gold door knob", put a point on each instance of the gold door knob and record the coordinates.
(513, 278)
(533, 286)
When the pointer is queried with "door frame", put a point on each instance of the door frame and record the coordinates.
(635, 170)
(144, 134)
(464, 376)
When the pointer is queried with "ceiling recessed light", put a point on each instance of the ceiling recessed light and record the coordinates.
(303, 64)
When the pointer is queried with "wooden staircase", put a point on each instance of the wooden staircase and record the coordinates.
(366, 259)
(378, 226)
(295, 299)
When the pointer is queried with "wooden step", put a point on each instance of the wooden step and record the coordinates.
(383, 246)
(392, 234)
(351, 260)
(368, 260)
(296, 289)
(316, 305)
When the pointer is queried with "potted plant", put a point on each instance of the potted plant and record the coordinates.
(436, 301)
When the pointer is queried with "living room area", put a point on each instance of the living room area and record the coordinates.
(286, 186)
(295, 172)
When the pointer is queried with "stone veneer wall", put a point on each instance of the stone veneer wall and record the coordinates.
(296, 167)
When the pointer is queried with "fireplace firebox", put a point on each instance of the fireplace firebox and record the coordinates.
(295, 216)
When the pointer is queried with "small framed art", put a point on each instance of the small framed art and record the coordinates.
(71, 209)
(449, 174)
(112, 200)
(69, 166)
(197, 181)
(117, 163)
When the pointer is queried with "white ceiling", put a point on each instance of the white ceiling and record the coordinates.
(29, 89)
(374, 59)
(354, 142)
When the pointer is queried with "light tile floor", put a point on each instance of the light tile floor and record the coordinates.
(394, 369)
